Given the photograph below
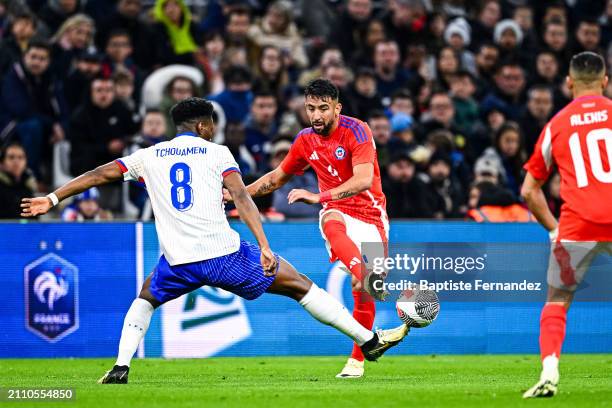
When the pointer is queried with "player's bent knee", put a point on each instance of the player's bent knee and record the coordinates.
(560, 297)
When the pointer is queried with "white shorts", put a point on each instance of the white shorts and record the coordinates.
(570, 260)
(371, 241)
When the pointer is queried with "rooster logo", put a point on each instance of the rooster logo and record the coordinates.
(50, 285)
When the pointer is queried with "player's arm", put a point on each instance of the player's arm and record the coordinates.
(107, 173)
(363, 175)
(534, 197)
(250, 215)
(269, 182)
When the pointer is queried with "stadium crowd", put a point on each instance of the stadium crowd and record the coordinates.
(456, 92)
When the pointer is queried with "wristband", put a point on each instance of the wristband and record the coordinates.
(325, 197)
(53, 198)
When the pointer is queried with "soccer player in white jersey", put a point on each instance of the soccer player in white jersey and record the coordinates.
(185, 178)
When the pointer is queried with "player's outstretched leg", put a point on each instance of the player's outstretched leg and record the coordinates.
(134, 329)
(326, 309)
(552, 332)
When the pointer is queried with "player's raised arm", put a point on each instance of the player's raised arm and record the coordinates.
(107, 173)
(250, 215)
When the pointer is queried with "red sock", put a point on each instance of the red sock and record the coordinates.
(552, 330)
(343, 247)
(364, 310)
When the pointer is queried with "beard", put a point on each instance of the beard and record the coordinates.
(326, 129)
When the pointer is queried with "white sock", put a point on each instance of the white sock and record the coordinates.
(135, 326)
(550, 368)
(326, 309)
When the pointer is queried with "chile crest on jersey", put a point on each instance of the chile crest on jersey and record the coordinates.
(340, 153)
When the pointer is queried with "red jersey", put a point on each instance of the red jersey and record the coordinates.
(333, 158)
(579, 141)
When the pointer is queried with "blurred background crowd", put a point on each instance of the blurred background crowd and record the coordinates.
(456, 92)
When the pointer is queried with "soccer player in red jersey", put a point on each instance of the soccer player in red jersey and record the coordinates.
(341, 151)
(579, 141)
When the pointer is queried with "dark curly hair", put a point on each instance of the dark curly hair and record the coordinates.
(191, 110)
(321, 89)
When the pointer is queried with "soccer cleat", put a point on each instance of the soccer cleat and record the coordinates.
(542, 389)
(382, 341)
(371, 283)
(118, 375)
(352, 369)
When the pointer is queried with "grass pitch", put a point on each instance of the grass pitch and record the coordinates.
(413, 381)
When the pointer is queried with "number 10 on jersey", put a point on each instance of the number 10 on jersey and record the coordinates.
(181, 191)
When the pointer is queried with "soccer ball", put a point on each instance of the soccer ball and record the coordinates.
(418, 308)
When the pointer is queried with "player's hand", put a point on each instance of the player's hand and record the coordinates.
(304, 196)
(268, 262)
(31, 207)
(227, 197)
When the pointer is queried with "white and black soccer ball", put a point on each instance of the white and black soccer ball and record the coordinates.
(418, 308)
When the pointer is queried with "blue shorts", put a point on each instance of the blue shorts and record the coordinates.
(240, 273)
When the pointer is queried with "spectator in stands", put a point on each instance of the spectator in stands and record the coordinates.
(509, 37)
(588, 35)
(99, 129)
(237, 27)
(447, 64)
(85, 207)
(16, 180)
(523, 16)
(308, 181)
(3, 18)
(119, 57)
(277, 28)
(295, 118)
(235, 137)
(552, 191)
(402, 132)
(457, 36)
(462, 90)
(237, 97)
(482, 27)
(509, 155)
(152, 132)
(71, 39)
(351, 26)
(486, 62)
(179, 88)
(389, 74)
(363, 93)
(555, 40)
(174, 32)
(88, 65)
(407, 195)
(509, 89)
(125, 91)
(401, 101)
(441, 141)
(271, 73)
(375, 33)
(405, 21)
(261, 127)
(447, 196)
(538, 113)
(441, 116)
(436, 28)
(330, 56)
(57, 12)
(208, 58)
(381, 133)
(22, 28)
(489, 202)
(125, 16)
(32, 106)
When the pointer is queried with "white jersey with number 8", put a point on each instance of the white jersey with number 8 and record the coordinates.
(184, 179)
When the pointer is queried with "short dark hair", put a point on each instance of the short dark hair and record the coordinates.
(118, 32)
(191, 109)
(587, 67)
(237, 74)
(23, 14)
(402, 93)
(263, 92)
(377, 114)
(40, 44)
(322, 89)
(11, 144)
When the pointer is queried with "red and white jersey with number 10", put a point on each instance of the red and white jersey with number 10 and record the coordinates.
(579, 141)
